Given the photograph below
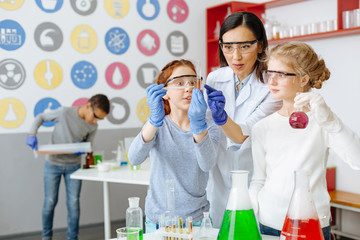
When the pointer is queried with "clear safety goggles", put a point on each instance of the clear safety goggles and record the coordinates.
(183, 81)
(242, 47)
(276, 76)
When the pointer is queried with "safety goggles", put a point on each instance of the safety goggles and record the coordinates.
(242, 47)
(183, 81)
(276, 76)
(94, 115)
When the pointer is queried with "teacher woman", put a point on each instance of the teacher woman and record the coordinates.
(239, 81)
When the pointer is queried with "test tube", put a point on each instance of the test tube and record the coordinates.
(189, 225)
(181, 227)
(174, 228)
(167, 223)
(198, 74)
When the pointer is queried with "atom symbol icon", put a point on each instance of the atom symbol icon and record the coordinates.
(117, 40)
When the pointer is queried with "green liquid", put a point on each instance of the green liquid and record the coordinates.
(134, 237)
(239, 224)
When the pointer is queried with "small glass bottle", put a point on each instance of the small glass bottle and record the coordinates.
(89, 160)
(134, 215)
(205, 228)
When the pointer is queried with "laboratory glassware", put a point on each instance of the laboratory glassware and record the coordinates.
(128, 233)
(120, 153)
(89, 160)
(298, 119)
(170, 202)
(239, 221)
(134, 216)
(205, 227)
(302, 221)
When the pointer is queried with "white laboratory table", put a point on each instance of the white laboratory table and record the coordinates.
(121, 175)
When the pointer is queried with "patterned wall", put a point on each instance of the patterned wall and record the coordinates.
(59, 53)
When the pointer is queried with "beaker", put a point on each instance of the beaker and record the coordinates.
(302, 221)
(239, 221)
(298, 119)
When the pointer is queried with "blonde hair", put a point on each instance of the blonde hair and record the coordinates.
(304, 60)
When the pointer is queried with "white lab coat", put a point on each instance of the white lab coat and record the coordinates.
(253, 103)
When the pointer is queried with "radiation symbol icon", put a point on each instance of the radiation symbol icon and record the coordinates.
(12, 74)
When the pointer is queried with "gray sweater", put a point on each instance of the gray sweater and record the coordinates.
(69, 128)
(174, 155)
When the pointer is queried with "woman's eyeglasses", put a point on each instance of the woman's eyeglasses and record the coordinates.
(242, 47)
(276, 76)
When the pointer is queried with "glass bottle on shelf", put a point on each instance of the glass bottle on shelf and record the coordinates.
(239, 220)
(276, 28)
(268, 26)
(302, 221)
(228, 12)
(217, 30)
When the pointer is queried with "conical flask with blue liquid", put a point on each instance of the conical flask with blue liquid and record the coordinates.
(239, 220)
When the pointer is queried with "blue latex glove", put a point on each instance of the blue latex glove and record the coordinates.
(32, 141)
(79, 153)
(216, 101)
(197, 112)
(155, 92)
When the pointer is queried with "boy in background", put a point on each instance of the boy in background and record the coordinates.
(72, 125)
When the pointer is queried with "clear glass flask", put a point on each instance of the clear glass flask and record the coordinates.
(239, 221)
(299, 118)
(302, 221)
(206, 228)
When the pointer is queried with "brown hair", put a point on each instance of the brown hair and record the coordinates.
(166, 72)
(304, 60)
(100, 101)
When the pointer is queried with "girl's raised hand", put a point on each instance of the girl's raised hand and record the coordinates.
(155, 92)
(197, 112)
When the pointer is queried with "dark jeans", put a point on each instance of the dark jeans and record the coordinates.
(274, 232)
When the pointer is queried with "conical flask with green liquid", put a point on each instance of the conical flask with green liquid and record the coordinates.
(239, 221)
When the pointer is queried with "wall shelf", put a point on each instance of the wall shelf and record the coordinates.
(317, 36)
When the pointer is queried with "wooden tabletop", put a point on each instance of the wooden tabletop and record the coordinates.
(345, 198)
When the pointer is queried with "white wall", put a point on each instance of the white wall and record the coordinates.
(21, 190)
